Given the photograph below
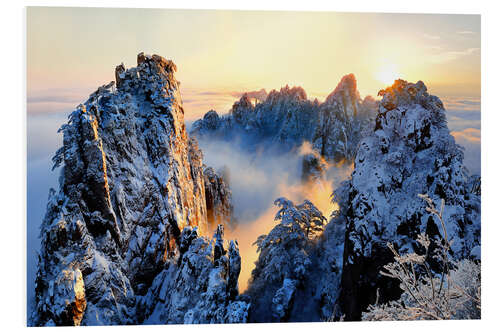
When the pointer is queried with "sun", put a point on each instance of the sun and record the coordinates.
(387, 73)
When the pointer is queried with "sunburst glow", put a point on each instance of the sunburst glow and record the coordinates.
(387, 73)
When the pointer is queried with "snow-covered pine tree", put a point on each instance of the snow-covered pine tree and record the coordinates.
(284, 259)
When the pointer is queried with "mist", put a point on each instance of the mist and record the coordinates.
(259, 177)
(43, 141)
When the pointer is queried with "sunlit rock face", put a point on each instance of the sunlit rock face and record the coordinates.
(286, 118)
(409, 151)
(131, 182)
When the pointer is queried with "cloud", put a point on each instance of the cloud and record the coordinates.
(42, 137)
(452, 55)
(472, 103)
(434, 37)
(470, 139)
(469, 134)
(261, 95)
(55, 100)
(462, 112)
(464, 121)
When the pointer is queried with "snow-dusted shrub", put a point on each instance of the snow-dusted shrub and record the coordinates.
(452, 293)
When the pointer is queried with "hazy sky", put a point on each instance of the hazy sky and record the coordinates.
(71, 51)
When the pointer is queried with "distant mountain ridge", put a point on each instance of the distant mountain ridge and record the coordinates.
(286, 118)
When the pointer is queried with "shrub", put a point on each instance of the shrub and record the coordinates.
(452, 293)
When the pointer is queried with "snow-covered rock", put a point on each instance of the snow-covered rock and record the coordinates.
(286, 118)
(283, 298)
(314, 167)
(218, 198)
(343, 119)
(68, 295)
(410, 151)
(132, 180)
(201, 288)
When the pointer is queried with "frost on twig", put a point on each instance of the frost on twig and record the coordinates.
(449, 294)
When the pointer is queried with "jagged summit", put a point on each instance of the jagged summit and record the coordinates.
(346, 89)
(296, 92)
(132, 181)
(403, 93)
(286, 118)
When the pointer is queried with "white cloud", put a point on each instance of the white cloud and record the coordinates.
(470, 139)
(452, 55)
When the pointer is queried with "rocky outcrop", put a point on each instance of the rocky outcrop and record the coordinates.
(286, 118)
(342, 119)
(68, 294)
(218, 198)
(201, 288)
(314, 167)
(131, 182)
(410, 151)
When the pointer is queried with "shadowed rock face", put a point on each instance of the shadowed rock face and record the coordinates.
(218, 197)
(343, 120)
(131, 182)
(409, 152)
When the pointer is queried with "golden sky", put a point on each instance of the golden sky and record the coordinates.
(72, 51)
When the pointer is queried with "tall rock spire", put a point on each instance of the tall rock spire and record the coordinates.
(131, 181)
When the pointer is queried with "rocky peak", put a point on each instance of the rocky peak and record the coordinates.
(408, 152)
(211, 117)
(342, 119)
(346, 90)
(405, 93)
(132, 180)
(294, 93)
(286, 118)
